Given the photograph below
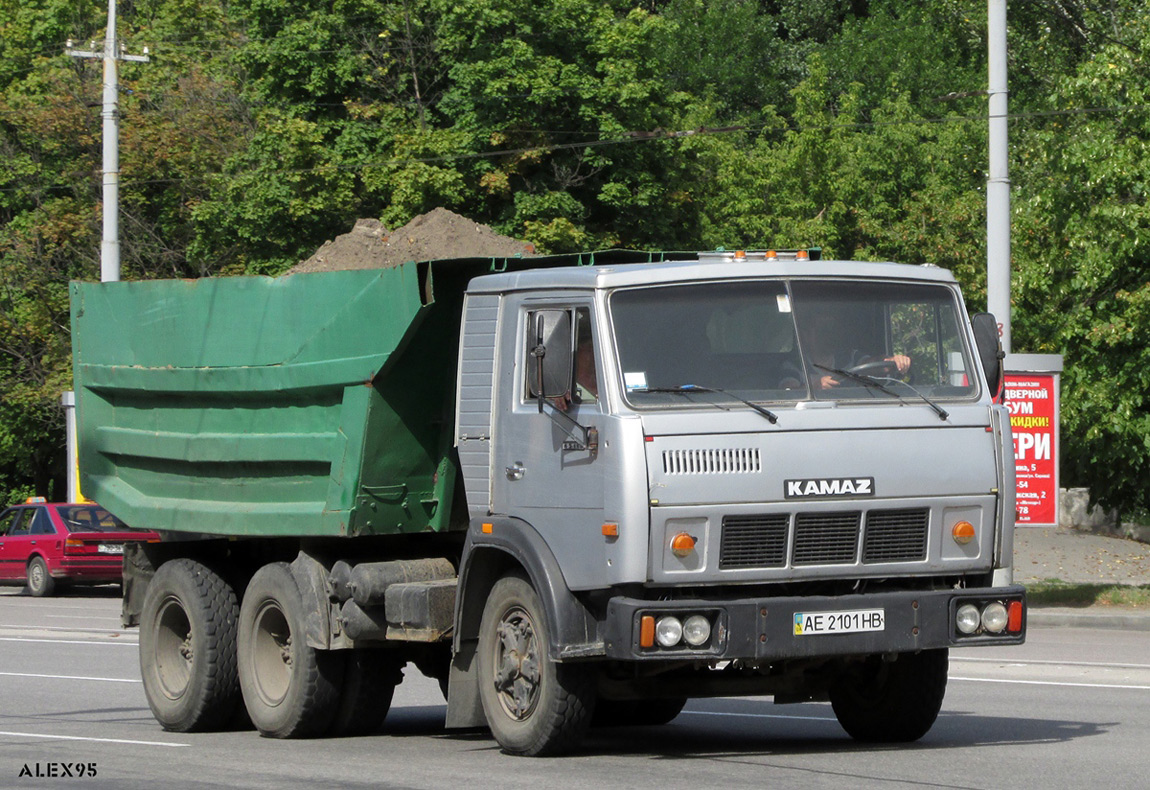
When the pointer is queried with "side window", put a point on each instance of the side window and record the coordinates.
(561, 348)
(586, 380)
(19, 525)
(8, 522)
(41, 523)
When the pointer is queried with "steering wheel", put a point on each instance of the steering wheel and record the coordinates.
(878, 367)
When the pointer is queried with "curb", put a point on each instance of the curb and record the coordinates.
(1043, 617)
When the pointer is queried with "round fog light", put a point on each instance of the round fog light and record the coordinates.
(696, 630)
(967, 618)
(668, 631)
(994, 618)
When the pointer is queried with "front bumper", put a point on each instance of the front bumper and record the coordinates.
(763, 629)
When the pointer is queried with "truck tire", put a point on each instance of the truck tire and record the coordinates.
(40, 581)
(637, 713)
(290, 689)
(892, 702)
(369, 681)
(188, 648)
(533, 705)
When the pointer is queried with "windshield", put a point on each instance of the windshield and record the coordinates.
(772, 341)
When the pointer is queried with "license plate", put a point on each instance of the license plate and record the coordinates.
(110, 548)
(854, 621)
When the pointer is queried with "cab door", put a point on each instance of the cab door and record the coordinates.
(547, 470)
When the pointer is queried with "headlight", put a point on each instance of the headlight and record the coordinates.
(696, 630)
(668, 631)
(994, 618)
(967, 618)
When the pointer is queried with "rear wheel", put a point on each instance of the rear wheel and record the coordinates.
(40, 581)
(533, 705)
(290, 689)
(369, 681)
(188, 647)
(892, 702)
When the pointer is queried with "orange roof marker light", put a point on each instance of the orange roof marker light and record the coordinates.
(802, 255)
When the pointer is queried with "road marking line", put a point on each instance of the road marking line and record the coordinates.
(82, 738)
(1049, 662)
(118, 642)
(1053, 683)
(77, 629)
(67, 677)
(757, 715)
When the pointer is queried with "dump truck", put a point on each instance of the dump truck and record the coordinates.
(572, 489)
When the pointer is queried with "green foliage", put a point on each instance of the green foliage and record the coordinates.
(262, 128)
(1083, 282)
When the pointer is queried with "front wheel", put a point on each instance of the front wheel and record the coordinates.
(533, 705)
(40, 581)
(290, 689)
(892, 702)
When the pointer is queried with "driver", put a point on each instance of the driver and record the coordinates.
(822, 339)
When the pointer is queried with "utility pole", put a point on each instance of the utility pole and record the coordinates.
(998, 182)
(112, 54)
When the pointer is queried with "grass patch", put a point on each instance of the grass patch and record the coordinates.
(1055, 592)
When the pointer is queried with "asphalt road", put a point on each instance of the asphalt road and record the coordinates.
(1071, 708)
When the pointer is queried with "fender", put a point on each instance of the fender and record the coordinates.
(509, 544)
(573, 629)
(311, 578)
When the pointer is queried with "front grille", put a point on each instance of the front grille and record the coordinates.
(731, 460)
(758, 541)
(826, 538)
(895, 536)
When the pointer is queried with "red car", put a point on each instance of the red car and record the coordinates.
(42, 543)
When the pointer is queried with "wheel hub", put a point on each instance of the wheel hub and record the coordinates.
(517, 668)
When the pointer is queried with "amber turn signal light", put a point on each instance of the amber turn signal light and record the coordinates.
(682, 544)
(962, 532)
(647, 631)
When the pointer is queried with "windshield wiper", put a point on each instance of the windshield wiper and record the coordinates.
(877, 383)
(686, 389)
(942, 413)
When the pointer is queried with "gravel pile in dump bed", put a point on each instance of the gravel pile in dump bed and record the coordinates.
(437, 234)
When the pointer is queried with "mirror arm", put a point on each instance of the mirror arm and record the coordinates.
(589, 440)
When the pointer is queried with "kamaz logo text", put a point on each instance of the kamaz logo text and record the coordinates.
(840, 486)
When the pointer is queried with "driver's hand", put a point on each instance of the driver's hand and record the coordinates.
(901, 361)
(826, 382)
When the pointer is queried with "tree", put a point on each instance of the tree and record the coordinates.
(1083, 265)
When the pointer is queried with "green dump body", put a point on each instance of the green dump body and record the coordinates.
(307, 405)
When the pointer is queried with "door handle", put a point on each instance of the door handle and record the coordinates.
(516, 471)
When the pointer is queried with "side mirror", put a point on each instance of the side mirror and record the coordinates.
(552, 345)
(990, 351)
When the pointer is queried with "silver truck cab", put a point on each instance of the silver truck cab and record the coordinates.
(739, 472)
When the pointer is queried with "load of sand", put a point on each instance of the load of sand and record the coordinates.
(435, 235)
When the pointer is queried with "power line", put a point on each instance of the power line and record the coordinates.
(626, 138)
